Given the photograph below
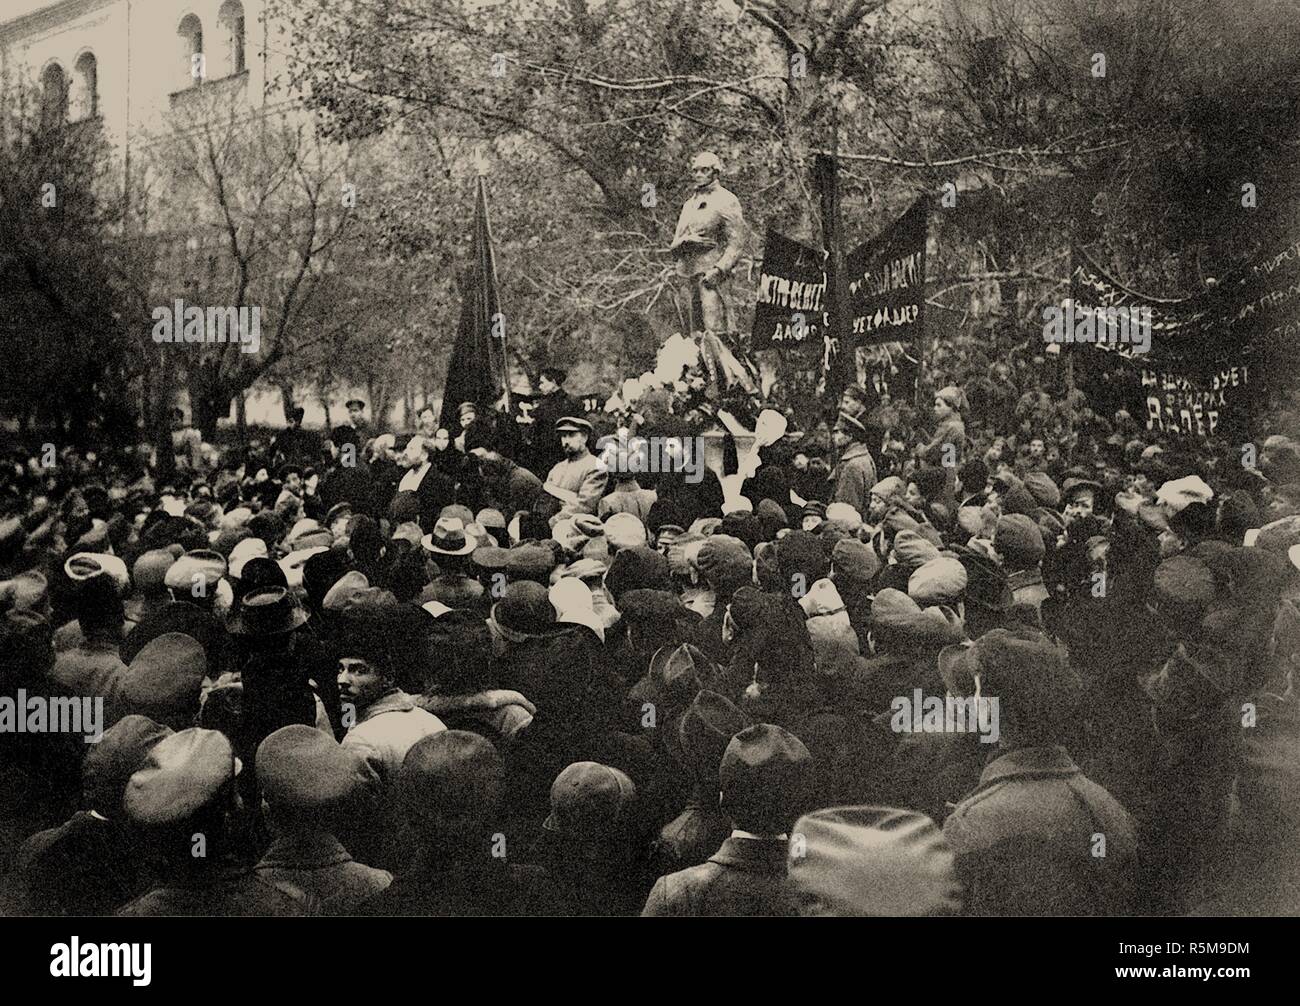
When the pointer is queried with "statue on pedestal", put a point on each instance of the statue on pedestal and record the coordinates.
(708, 243)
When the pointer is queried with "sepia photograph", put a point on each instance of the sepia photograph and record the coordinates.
(636, 458)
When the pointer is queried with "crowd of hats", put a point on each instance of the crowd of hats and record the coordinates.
(724, 650)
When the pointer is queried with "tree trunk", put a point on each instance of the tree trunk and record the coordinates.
(241, 417)
(286, 396)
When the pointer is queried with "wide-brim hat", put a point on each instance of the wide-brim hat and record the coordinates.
(449, 537)
(267, 611)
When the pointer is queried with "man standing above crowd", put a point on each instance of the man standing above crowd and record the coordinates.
(295, 445)
(357, 419)
(578, 481)
(856, 472)
(554, 404)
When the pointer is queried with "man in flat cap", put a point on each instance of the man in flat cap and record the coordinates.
(357, 418)
(855, 473)
(450, 787)
(1037, 837)
(766, 780)
(310, 787)
(182, 799)
(91, 864)
(578, 481)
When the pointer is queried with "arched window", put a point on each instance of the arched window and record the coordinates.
(85, 87)
(54, 96)
(231, 22)
(190, 33)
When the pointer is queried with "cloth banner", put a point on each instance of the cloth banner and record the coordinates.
(887, 281)
(1192, 374)
(790, 311)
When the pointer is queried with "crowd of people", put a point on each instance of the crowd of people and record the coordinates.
(468, 672)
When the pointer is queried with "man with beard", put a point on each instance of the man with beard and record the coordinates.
(433, 489)
(578, 481)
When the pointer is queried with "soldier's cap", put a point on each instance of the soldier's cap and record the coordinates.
(942, 580)
(765, 776)
(871, 861)
(854, 560)
(453, 775)
(86, 565)
(624, 530)
(181, 774)
(529, 561)
(1006, 661)
(1074, 486)
(590, 801)
(1043, 489)
(572, 424)
(166, 676)
(196, 566)
(111, 763)
(302, 768)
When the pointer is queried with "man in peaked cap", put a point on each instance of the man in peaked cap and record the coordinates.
(310, 785)
(1018, 544)
(855, 473)
(873, 862)
(594, 841)
(703, 733)
(197, 574)
(1025, 839)
(450, 788)
(91, 864)
(766, 778)
(579, 480)
(185, 788)
(165, 679)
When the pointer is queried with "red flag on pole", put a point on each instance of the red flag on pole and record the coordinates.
(478, 371)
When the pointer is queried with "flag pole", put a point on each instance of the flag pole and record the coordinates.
(482, 171)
